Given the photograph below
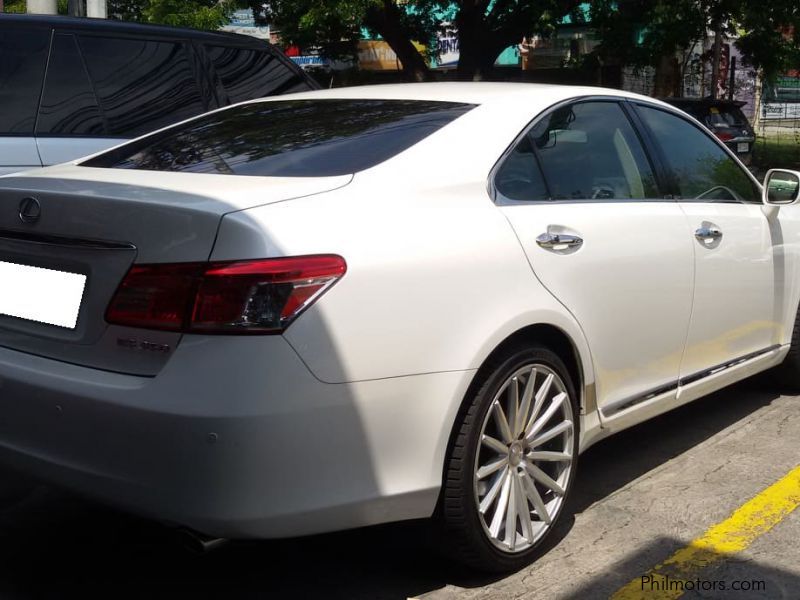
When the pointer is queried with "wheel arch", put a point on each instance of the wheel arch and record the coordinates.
(554, 338)
(566, 341)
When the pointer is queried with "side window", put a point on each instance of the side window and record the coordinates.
(584, 151)
(590, 150)
(247, 74)
(704, 171)
(519, 177)
(23, 56)
(69, 105)
(142, 85)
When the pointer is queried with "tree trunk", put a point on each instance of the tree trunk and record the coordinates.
(472, 64)
(667, 77)
(385, 20)
(476, 47)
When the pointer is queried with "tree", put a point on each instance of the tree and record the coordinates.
(197, 14)
(487, 27)
(126, 10)
(335, 27)
(654, 32)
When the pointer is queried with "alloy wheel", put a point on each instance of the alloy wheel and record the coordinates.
(524, 458)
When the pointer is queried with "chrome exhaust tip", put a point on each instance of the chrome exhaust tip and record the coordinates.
(199, 543)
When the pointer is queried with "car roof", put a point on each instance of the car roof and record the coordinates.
(479, 137)
(705, 102)
(471, 92)
(110, 26)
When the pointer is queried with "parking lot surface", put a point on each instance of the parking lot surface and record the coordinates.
(640, 497)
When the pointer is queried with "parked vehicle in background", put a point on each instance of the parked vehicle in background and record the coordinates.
(725, 119)
(353, 306)
(71, 87)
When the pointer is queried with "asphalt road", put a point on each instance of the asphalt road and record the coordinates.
(639, 497)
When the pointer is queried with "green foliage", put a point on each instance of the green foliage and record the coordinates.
(640, 32)
(485, 27)
(19, 6)
(14, 6)
(335, 27)
(777, 150)
(126, 10)
(197, 14)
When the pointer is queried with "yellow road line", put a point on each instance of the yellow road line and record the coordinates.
(734, 534)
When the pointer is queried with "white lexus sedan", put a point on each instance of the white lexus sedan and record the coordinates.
(342, 308)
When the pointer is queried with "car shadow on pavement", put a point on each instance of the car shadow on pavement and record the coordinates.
(56, 545)
(618, 460)
(725, 577)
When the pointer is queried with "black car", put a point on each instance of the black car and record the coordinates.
(725, 119)
(70, 87)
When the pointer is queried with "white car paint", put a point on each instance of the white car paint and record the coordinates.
(345, 419)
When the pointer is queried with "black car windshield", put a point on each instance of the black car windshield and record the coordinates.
(288, 138)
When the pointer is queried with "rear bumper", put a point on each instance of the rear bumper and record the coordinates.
(234, 438)
(744, 156)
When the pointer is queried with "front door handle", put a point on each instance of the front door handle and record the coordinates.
(558, 241)
(708, 233)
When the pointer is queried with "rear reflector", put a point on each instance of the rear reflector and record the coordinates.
(254, 296)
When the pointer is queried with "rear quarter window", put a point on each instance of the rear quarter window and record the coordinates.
(23, 56)
(69, 105)
(141, 84)
(248, 74)
(292, 138)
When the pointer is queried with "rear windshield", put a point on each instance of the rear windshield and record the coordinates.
(288, 138)
(716, 116)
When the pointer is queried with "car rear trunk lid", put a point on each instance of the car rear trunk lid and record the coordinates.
(96, 223)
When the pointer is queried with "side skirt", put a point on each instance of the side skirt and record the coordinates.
(627, 412)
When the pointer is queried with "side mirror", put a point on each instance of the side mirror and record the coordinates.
(781, 187)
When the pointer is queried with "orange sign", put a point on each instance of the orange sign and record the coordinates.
(377, 55)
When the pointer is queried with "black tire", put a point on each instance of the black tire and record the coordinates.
(787, 374)
(464, 534)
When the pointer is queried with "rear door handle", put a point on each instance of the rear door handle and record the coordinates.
(558, 241)
(708, 233)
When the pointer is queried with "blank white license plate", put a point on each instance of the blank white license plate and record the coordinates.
(43, 295)
(742, 147)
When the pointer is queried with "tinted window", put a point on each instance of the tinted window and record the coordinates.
(298, 138)
(702, 169)
(519, 177)
(247, 74)
(23, 56)
(68, 101)
(141, 84)
(589, 150)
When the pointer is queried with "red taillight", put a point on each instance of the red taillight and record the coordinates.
(254, 296)
(155, 296)
(724, 135)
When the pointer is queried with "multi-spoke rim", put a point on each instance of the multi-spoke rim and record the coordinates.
(524, 459)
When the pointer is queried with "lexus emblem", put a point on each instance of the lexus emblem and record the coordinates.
(29, 210)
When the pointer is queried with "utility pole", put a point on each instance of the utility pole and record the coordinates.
(42, 7)
(717, 56)
(96, 9)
